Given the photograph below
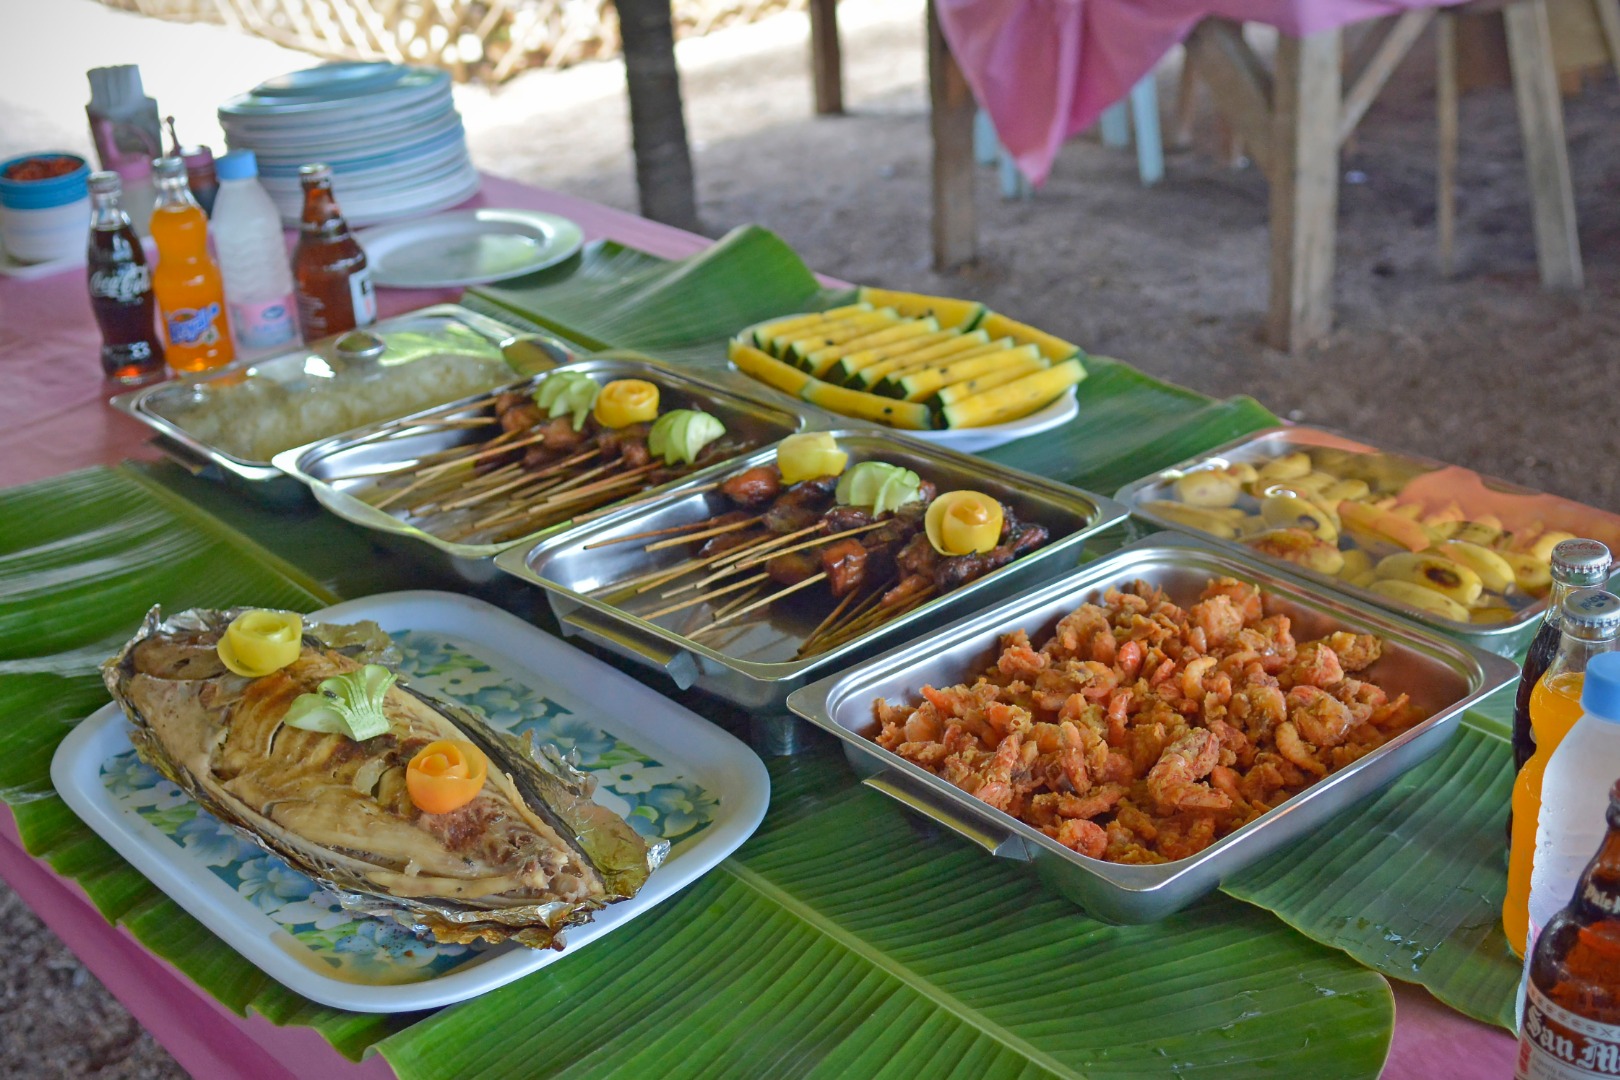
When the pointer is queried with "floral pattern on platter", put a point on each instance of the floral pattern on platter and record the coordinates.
(656, 799)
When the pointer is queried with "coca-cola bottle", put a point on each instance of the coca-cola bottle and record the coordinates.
(331, 279)
(121, 288)
(1570, 1028)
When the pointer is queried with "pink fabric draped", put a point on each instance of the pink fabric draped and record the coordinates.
(1046, 69)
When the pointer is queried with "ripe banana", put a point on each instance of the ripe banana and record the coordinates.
(1356, 563)
(1410, 511)
(1417, 596)
(1288, 467)
(1375, 527)
(1480, 531)
(1291, 512)
(1451, 579)
(1208, 487)
(1530, 574)
(1243, 472)
(1543, 547)
(1346, 489)
(1193, 517)
(1493, 570)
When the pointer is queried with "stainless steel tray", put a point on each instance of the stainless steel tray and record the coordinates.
(336, 468)
(1416, 478)
(1442, 675)
(164, 407)
(757, 668)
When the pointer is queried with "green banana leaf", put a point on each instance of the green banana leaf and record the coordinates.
(1411, 882)
(867, 952)
(840, 943)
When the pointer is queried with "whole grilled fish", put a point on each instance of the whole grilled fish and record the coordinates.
(529, 855)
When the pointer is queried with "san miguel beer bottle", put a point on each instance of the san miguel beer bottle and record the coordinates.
(330, 275)
(1570, 1029)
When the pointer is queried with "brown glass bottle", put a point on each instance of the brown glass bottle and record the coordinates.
(330, 275)
(1571, 1022)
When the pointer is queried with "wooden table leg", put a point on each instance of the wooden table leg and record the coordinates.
(1446, 136)
(1304, 188)
(951, 120)
(1541, 121)
(826, 57)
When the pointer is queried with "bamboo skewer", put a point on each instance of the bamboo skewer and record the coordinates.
(715, 530)
(526, 477)
(824, 623)
(650, 533)
(771, 599)
(652, 579)
(726, 559)
(705, 596)
(730, 605)
(489, 450)
(811, 543)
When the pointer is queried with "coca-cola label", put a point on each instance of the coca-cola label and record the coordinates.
(193, 326)
(1556, 1044)
(126, 284)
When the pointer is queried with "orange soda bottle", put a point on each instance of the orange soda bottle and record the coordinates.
(190, 291)
(1590, 622)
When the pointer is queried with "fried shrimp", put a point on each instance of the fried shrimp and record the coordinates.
(1143, 731)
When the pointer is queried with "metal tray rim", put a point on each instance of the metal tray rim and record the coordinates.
(1105, 513)
(814, 703)
(1489, 632)
(132, 403)
(291, 461)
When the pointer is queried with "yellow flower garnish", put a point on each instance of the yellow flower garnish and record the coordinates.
(623, 402)
(963, 522)
(259, 641)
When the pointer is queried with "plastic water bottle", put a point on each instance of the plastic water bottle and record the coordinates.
(1575, 792)
(253, 256)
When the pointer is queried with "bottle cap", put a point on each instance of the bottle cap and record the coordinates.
(237, 165)
(167, 168)
(105, 182)
(1600, 695)
(1592, 609)
(1582, 563)
(311, 174)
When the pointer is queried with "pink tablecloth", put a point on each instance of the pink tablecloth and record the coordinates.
(1046, 69)
(53, 418)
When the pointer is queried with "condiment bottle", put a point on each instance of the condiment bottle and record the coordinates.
(121, 288)
(1570, 1023)
(1573, 792)
(1591, 621)
(189, 289)
(330, 273)
(252, 256)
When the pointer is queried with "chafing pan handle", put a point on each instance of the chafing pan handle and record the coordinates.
(626, 641)
(1005, 845)
(184, 456)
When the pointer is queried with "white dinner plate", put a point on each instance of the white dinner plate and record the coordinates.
(667, 771)
(467, 247)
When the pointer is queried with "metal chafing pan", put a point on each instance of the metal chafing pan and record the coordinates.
(755, 666)
(1442, 675)
(336, 468)
(169, 408)
(1412, 479)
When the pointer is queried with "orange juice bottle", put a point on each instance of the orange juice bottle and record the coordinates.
(190, 291)
(1590, 621)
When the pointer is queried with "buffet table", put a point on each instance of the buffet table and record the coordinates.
(55, 420)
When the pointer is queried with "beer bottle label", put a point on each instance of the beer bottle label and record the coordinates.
(1556, 1044)
(363, 294)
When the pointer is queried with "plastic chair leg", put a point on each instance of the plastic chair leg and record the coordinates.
(1115, 125)
(1144, 102)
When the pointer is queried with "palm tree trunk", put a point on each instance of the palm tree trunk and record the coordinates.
(657, 127)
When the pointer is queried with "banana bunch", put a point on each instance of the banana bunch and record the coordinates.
(1307, 508)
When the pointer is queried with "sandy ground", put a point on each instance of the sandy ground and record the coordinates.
(1484, 370)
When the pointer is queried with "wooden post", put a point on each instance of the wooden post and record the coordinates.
(826, 58)
(1446, 171)
(657, 124)
(1541, 122)
(1304, 177)
(951, 121)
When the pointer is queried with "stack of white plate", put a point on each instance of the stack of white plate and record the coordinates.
(390, 133)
